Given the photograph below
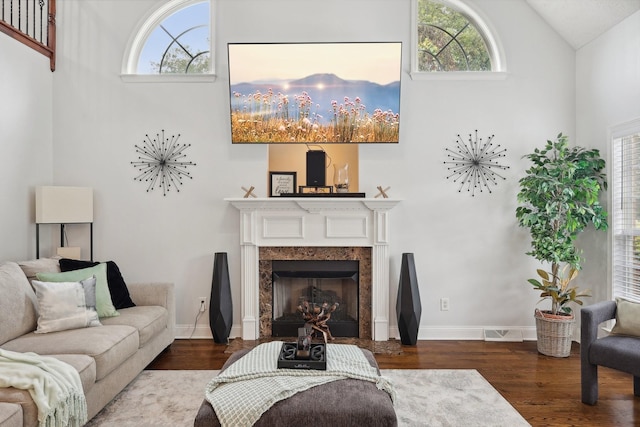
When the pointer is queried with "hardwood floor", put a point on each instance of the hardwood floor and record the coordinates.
(545, 390)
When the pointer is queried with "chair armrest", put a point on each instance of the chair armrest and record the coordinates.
(590, 319)
(162, 294)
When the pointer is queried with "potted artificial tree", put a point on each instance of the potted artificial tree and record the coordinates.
(558, 199)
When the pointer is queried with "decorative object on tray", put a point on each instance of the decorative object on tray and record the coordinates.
(282, 182)
(341, 177)
(316, 317)
(248, 192)
(316, 359)
(303, 350)
(162, 162)
(382, 192)
(320, 189)
(474, 163)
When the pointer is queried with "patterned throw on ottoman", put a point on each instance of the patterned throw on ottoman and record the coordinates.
(251, 390)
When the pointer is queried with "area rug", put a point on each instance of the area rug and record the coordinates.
(425, 397)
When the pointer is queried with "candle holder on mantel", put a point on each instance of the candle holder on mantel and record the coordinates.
(341, 177)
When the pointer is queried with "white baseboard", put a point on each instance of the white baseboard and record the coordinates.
(424, 333)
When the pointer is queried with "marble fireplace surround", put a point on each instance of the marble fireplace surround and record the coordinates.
(361, 254)
(294, 227)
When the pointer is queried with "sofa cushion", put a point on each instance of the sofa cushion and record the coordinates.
(66, 305)
(616, 351)
(41, 265)
(117, 286)
(104, 305)
(20, 400)
(109, 345)
(17, 303)
(10, 415)
(85, 365)
(149, 320)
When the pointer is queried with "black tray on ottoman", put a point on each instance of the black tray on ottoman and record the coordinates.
(288, 359)
(342, 403)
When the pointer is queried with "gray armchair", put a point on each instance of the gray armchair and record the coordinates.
(614, 351)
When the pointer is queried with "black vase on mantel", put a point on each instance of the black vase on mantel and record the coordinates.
(408, 305)
(220, 304)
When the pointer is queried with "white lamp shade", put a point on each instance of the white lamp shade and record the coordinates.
(64, 205)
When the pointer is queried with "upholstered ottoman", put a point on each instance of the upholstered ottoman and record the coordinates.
(341, 403)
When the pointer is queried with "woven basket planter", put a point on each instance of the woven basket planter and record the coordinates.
(554, 333)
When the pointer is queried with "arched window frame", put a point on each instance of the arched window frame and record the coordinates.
(142, 31)
(494, 46)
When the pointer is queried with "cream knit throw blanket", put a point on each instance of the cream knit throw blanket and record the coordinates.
(54, 386)
(251, 385)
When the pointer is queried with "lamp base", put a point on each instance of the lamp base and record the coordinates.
(72, 252)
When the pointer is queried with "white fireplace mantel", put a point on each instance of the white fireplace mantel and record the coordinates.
(306, 221)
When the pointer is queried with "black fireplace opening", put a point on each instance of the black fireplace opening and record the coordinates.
(316, 282)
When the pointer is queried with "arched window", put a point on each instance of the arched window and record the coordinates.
(450, 37)
(173, 40)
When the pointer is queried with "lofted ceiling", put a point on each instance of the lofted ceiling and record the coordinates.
(581, 21)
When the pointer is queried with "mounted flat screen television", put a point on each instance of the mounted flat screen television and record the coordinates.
(314, 93)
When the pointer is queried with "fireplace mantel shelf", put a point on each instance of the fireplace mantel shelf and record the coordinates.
(314, 222)
(312, 205)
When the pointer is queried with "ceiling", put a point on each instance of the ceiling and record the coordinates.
(581, 21)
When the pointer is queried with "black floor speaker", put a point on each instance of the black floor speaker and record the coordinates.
(316, 169)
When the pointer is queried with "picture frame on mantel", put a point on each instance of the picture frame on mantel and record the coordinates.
(281, 183)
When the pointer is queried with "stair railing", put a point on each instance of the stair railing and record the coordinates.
(33, 23)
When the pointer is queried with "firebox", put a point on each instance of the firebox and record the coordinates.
(316, 282)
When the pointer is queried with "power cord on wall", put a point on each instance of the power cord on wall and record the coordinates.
(195, 323)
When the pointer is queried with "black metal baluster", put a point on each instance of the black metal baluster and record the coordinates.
(41, 19)
(26, 20)
(34, 18)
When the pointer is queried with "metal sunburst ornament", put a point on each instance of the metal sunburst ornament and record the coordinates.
(161, 162)
(474, 163)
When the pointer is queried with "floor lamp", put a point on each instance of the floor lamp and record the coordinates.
(64, 205)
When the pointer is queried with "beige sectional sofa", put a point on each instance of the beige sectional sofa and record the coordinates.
(107, 357)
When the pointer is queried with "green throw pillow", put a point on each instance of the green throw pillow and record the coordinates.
(627, 318)
(104, 306)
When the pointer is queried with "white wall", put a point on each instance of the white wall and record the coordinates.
(608, 94)
(467, 249)
(25, 144)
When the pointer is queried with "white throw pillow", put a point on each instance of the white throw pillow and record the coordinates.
(66, 305)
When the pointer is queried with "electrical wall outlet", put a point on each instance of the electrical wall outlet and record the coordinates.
(444, 304)
(203, 303)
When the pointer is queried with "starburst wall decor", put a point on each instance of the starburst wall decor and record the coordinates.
(162, 162)
(473, 163)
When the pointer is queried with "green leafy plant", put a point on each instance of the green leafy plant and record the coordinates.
(558, 199)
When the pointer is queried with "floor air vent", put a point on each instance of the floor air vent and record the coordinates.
(511, 335)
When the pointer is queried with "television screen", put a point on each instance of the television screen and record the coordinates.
(312, 93)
